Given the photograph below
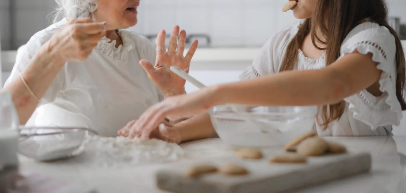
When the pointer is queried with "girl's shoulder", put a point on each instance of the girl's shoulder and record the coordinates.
(372, 38)
(370, 28)
(369, 33)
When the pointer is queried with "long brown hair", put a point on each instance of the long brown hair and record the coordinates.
(335, 19)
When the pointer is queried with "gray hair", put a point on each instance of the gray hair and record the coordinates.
(74, 9)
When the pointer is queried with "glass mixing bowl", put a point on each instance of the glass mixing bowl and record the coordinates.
(260, 126)
(51, 143)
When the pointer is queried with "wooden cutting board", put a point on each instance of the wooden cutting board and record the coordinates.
(264, 176)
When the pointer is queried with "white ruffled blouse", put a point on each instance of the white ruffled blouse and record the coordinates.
(365, 114)
(104, 92)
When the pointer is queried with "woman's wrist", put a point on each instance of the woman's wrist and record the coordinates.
(44, 63)
(51, 50)
(173, 92)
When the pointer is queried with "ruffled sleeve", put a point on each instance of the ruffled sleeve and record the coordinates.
(271, 55)
(383, 110)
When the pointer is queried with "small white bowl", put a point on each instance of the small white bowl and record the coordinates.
(260, 126)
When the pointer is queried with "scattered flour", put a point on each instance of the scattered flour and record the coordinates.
(122, 151)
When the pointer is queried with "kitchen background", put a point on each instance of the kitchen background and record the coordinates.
(228, 23)
(230, 31)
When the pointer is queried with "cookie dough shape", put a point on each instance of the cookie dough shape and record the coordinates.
(198, 170)
(336, 148)
(230, 169)
(249, 154)
(314, 146)
(289, 158)
(297, 140)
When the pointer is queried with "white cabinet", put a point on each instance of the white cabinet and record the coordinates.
(213, 66)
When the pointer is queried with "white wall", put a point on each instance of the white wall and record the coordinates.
(229, 22)
(4, 23)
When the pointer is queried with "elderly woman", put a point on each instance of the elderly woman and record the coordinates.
(84, 71)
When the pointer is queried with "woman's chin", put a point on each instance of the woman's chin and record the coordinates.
(130, 22)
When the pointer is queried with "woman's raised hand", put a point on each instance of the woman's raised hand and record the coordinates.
(77, 39)
(168, 82)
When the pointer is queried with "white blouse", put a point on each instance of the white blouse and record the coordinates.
(365, 114)
(104, 92)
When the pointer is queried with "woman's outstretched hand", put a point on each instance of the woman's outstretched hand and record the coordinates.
(76, 40)
(173, 108)
(168, 82)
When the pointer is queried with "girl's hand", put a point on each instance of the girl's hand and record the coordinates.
(168, 82)
(173, 108)
(165, 132)
(76, 40)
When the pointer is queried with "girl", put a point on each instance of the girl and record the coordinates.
(343, 56)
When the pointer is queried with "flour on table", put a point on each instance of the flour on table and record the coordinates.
(122, 151)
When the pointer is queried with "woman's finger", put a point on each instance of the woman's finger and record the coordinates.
(139, 126)
(94, 38)
(162, 111)
(149, 68)
(181, 44)
(91, 28)
(160, 43)
(191, 51)
(151, 122)
(126, 129)
(82, 20)
(154, 121)
(173, 41)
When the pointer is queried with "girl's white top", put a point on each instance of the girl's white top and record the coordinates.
(104, 92)
(365, 114)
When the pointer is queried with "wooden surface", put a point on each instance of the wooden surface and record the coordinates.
(264, 176)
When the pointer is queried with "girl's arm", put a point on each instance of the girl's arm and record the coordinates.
(348, 76)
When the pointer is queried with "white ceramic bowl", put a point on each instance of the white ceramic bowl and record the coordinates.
(258, 126)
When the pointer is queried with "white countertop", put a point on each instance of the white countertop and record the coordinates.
(388, 173)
